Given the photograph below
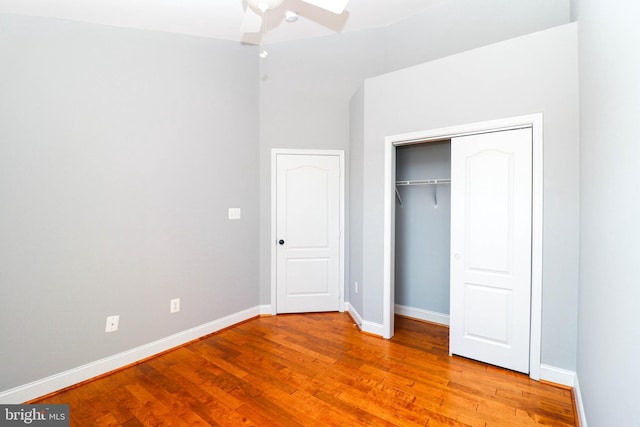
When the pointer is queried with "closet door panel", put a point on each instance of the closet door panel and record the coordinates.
(491, 247)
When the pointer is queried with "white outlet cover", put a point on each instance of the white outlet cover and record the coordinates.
(112, 323)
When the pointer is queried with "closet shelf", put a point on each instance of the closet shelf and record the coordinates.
(425, 181)
(433, 182)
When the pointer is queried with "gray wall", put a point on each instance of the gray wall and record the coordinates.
(120, 153)
(452, 26)
(423, 229)
(356, 150)
(530, 74)
(306, 86)
(609, 338)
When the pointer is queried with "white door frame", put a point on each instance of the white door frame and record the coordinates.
(533, 121)
(274, 156)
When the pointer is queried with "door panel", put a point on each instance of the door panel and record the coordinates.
(307, 207)
(488, 221)
(491, 247)
(308, 276)
(487, 314)
(308, 223)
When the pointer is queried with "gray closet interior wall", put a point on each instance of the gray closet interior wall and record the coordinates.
(422, 228)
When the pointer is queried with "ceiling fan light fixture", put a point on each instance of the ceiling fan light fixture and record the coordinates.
(290, 16)
(257, 11)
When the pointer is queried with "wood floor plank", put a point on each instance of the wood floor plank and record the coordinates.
(316, 369)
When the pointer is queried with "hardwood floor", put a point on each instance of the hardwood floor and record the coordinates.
(316, 370)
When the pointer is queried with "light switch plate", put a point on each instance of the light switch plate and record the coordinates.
(174, 305)
(234, 213)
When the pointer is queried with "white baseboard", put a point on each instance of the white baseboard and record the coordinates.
(82, 373)
(372, 328)
(569, 379)
(421, 314)
(364, 325)
(416, 313)
(354, 314)
(557, 375)
(579, 404)
(266, 310)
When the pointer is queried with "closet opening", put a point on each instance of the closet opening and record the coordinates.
(493, 161)
(422, 230)
(480, 245)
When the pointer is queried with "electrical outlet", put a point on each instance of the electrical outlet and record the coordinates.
(112, 323)
(356, 287)
(174, 305)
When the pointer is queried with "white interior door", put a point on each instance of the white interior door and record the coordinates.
(491, 189)
(308, 197)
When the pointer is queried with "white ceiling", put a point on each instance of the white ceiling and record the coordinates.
(220, 18)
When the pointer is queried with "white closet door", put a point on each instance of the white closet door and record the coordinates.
(491, 247)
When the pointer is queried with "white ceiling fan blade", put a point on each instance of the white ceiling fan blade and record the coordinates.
(251, 22)
(335, 6)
